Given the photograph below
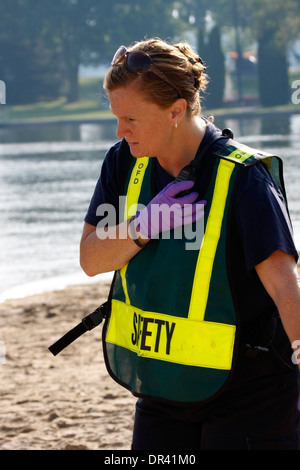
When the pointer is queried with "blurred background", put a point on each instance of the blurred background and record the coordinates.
(55, 124)
(47, 46)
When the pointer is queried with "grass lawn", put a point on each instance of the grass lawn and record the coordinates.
(56, 110)
(92, 105)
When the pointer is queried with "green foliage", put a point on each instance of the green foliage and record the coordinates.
(43, 42)
(25, 58)
(271, 24)
(276, 25)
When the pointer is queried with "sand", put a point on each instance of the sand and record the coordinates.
(66, 402)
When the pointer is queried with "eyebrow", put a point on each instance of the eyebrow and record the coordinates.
(127, 116)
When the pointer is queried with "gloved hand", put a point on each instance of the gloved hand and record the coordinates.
(166, 212)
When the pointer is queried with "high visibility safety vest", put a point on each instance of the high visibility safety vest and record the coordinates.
(172, 332)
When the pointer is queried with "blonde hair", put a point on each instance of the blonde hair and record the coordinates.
(179, 62)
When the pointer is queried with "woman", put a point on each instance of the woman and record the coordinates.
(193, 331)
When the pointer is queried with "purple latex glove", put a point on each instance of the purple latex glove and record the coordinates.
(166, 211)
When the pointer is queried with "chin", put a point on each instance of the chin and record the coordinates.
(137, 154)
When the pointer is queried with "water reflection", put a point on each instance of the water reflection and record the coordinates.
(277, 125)
(59, 132)
(264, 126)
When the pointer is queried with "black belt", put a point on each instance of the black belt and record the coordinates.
(87, 323)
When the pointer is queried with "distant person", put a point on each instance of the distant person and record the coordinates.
(200, 332)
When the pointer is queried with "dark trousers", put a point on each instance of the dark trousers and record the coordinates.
(260, 414)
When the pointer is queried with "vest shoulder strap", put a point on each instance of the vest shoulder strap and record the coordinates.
(242, 154)
(246, 156)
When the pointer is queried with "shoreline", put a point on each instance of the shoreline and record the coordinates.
(47, 285)
(227, 113)
(61, 283)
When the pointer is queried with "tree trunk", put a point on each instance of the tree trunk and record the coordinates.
(273, 79)
(216, 71)
(71, 63)
(73, 86)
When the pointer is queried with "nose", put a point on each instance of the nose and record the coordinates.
(122, 130)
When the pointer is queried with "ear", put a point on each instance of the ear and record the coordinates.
(177, 110)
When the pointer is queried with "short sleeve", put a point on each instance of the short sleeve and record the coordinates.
(109, 185)
(261, 217)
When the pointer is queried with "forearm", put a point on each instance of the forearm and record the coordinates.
(289, 310)
(106, 249)
(279, 276)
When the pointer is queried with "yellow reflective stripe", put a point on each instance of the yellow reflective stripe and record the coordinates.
(240, 154)
(210, 241)
(124, 283)
(134, 187)
(172, 339)
(132, 197)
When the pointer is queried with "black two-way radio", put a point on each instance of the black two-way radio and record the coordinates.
(190, 171)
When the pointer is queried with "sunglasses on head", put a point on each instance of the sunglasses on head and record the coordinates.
(139, 62)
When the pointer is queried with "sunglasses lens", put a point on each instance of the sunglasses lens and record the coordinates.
(121, 52)
(138, 62)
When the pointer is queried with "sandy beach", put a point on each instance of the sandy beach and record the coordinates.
(67, 402)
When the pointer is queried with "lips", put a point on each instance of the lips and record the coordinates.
(132, 146)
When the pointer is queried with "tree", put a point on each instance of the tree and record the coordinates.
(273, 78)
(90, 31)
(194, 13)
(25, 58)
(273, 24)
(216, 70)
(275, 28)
(53, 37)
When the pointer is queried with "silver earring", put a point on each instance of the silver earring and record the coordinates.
(176, 125)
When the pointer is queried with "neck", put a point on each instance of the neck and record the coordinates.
(183, 146)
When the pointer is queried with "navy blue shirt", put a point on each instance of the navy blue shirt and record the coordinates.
(260, 223)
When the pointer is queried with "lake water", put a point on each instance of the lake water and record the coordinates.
(47, 177)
